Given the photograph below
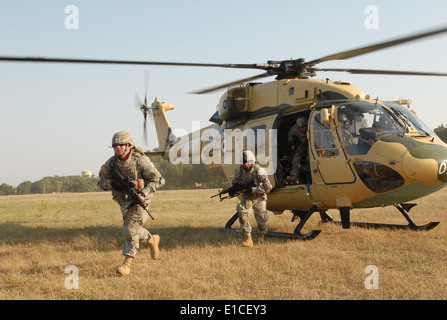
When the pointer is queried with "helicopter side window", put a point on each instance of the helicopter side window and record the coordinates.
(378, 177)
(324, 142)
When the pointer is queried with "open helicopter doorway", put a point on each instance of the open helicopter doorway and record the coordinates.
(284, 125)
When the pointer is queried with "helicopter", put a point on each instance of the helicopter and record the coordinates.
(390, 158)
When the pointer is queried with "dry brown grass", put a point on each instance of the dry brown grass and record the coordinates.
(40, 235)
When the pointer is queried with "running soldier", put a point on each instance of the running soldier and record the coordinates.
(142, 176)
(254, 199)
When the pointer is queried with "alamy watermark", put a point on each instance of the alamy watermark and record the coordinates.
(372, 19)
(72, 280)
(210, 146)
(372, 280)
(72, 20)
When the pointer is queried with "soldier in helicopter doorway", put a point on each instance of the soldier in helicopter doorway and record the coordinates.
(298, 143)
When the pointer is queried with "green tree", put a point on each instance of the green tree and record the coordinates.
(6, 189)
(24, 187)
(62, 184)
(441, 131)
(38, 187)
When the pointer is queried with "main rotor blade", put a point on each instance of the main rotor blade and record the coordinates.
(158, 63)
(379, 46)
(232, 83)
(383, 72)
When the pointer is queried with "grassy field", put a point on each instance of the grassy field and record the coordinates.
(40, 235)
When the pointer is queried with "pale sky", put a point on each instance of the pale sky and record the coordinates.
(58, 119)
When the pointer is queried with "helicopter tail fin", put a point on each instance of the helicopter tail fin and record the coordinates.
(162, 125)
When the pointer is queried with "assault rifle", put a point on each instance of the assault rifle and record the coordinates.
(235, 190)
(127, 187)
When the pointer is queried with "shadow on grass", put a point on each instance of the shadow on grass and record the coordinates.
(110, 237)
(15, 232)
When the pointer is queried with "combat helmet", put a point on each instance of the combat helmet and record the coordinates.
(248, 157)
(301, 121)
(122, 137)
(342, 117)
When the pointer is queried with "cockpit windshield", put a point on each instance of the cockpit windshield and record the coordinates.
(410, 119)
(362, 123)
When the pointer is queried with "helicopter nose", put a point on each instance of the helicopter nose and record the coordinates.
(427, 164)
(442, 172)
(420, 170)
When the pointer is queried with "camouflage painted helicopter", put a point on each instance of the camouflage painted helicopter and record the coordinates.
(390, 158)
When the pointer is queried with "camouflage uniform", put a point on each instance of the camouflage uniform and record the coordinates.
(139, 168)
(255, 200)
(344, 128)
(299, 144)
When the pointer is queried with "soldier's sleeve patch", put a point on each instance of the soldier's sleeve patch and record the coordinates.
(104, 170)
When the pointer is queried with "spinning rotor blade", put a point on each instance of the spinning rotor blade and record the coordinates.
(232, 83)
(297, 68)
(143, 106)
(146, 142)
(387, 72)
(371, 48)
(157, 63)
(138, 102)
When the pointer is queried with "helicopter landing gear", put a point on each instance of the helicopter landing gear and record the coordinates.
(297, 235)
(403, 208)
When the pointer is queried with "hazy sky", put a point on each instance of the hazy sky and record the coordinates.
(58, 119)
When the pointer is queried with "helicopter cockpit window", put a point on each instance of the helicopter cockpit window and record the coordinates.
(363, 123)
(411, 119)
(324, 142)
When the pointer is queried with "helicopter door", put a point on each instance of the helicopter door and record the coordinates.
(327, 152)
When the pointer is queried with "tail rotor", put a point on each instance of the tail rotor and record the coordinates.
(144, 108)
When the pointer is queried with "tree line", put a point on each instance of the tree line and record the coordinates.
(54, 184)
(181, 176)
(177, 177)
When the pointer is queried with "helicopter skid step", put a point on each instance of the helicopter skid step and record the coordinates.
(403, 208)
(424, 227)
(301, 214)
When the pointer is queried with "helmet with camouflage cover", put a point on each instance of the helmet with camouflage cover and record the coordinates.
(342, 117)
(301, 121)
(122, 137)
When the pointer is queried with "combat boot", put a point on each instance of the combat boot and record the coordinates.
(292, 179)
(248, 242)
(124, 270)
(261, 237)
(153, 242)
